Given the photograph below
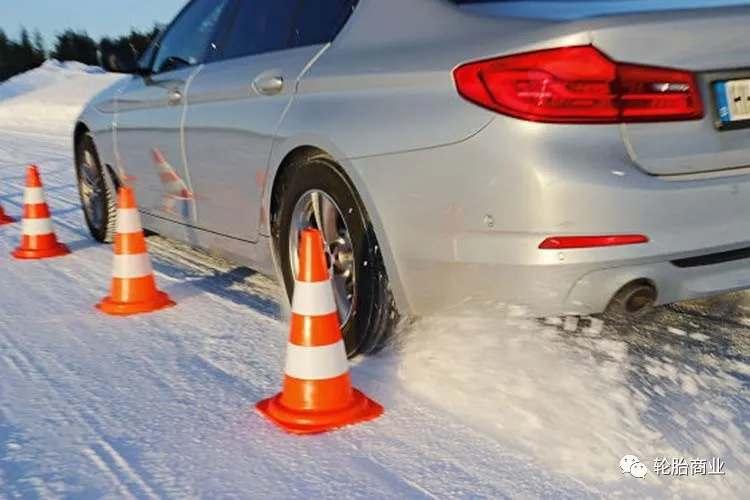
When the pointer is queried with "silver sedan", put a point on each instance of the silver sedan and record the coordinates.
(561, 156)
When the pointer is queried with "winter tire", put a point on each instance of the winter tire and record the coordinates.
(96, 191)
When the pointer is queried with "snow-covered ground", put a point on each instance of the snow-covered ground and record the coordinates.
(161, 405)
(47, 100)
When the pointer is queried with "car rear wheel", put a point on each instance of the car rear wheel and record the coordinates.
(314, 193)
(96, 191)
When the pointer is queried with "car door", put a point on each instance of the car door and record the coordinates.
(151, 109)
(234, 106)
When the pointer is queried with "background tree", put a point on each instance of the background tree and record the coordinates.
(4, 54)
(38, 45)
(139, 41)
(71, 45)
(29, 50)
(20, 56)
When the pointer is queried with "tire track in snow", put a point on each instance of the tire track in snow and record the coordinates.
(20, 365)
(11, 363)
(108, 459)
(31, 487)
(43, 489)
(20, 362)
(102, 453)
(100, 464)
(123, 475)
(386, 472)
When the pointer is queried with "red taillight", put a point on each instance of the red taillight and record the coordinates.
(568, 242)
(579, 85)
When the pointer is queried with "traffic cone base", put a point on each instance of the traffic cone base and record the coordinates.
(294, 421)
(116, 308)
(25, 253)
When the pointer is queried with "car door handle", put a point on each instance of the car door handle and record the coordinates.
(174, 97)
(268, 84)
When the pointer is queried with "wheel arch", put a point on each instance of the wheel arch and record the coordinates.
(81, 129)
(286, 154)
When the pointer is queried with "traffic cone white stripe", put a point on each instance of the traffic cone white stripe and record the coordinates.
(34, 196)
(316, 363)
(128, 221)
(131, 266)
(313, 298)
(36, 227)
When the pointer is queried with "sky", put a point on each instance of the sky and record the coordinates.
(97, 17)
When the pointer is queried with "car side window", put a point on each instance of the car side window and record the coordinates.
(259, 26)
(187, 41)
(319, 21)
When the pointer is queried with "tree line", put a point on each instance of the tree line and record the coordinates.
(28, 50)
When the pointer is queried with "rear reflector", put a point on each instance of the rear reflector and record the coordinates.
(567, 242)
(579, 85)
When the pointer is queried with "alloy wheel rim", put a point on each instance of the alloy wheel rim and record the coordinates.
(317, 210)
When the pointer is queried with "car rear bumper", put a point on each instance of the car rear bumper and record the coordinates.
(545, 290)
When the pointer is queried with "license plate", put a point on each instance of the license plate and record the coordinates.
(733, 102)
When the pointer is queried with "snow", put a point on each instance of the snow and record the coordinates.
(26, 99)
(161, 405)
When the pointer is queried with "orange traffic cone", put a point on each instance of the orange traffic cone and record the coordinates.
(133, 289)
(317, 395)
(38, 240)
(5, 218)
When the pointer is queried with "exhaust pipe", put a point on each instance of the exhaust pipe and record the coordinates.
(633, 299)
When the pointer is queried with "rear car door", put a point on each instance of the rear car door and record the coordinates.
(151, 108)
(237, 100)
